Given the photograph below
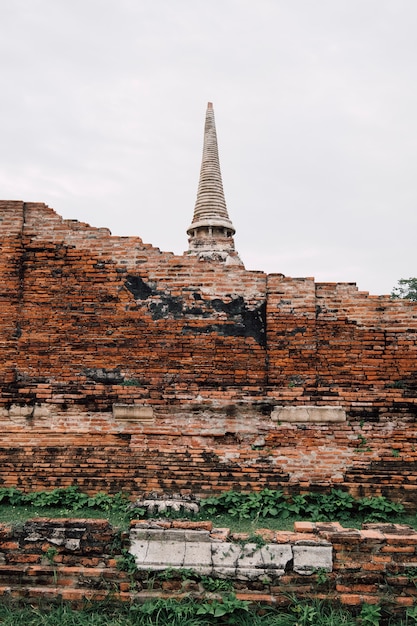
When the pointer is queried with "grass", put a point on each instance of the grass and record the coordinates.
(277, 523)
(19, 514)
(192, 613)
(10, 514)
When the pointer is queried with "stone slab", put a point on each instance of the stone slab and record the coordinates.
(139, 549)
(166, 553)
(133, 412)
(225, 555)
(308, 559)
(197, 555)
(309, 414)
(276, 557)
(250, 557)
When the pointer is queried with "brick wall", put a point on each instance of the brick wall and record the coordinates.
(89, 320)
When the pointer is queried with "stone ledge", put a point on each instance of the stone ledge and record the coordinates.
(133, 412)
(310, 414)
(159, 549)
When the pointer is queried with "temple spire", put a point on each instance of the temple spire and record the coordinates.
(211, 231)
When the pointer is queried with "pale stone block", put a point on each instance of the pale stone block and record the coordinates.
(224, 572)
(174, 534)
(225, 555)
(197, 555)
(20, 411)
(139, 548)
(41, 411)
(248, 573)
(308, 559)
(133, 412)
(202, 536)
(309, 414)
(276, 557)
(138, 534)
(72, 544)
(165, 553)
(250, 557)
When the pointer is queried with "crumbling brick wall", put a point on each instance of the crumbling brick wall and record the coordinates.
(89, 320)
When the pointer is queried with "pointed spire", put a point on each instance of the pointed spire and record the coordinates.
(211, 231)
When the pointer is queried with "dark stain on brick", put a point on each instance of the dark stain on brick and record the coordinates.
(246, 322)
(137, 286)
(103, 375)
(241, 322)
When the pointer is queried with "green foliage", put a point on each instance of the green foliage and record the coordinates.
(11, 495)
(258, 540)
(406, 288)
(107, 503)
(226, 606)
(370, 615)
(169, 573)
(265, 503)
(362, 445)
(238, 506)
(306, 614)
(411, 615)
(216, 584)
(63, 497)
(192, 612)
(165, 611)
(335, 505)
(69, 497)
(131, 382)
(411, 573)
(379, 509)
(50, 554)
(322, 576)
(126, 562)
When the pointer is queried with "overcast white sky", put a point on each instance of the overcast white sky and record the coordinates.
(102, 115)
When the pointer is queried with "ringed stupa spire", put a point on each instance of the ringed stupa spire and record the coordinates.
(211, 231)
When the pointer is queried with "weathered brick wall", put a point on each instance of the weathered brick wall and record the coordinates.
(205, 448)
(89, 320)
(90, 302)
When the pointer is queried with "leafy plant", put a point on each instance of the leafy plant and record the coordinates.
(379, 509)
(131, 382)
(406, 288)
(306, 614)
(11, 495)
(127, 562)
(362, 447)
(216, 584)
(411, 615)
(228, 605)
(50, 554)
(370, 615)
(169, 573)
(336, 504)
(322, 576)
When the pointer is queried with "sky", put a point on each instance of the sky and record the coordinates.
(102, 116)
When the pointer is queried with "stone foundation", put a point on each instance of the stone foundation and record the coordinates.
(79, 559)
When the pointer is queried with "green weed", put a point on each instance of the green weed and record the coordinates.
(370, 615)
